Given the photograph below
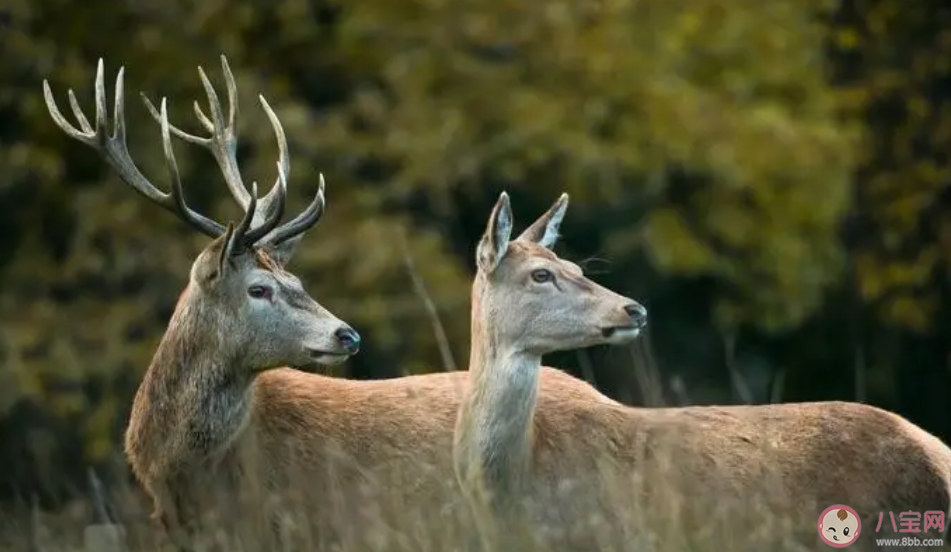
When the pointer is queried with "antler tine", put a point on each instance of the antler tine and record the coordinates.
(179, 133)
(78, 112)
(118, 108)
(283, 163)
(115, 151)
(309, 216)
(244, 235)
(223, 140)
(302, 222)
(87, 135)
(277, 212)
(232, 93)
(176, 198)
(202, 118)
(239, 240)
(101, 108)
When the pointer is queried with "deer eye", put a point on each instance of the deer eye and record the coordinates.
(542, 275)
(260, 292)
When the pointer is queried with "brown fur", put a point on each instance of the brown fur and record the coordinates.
(701, 465)
(726, 478)
(202, 431)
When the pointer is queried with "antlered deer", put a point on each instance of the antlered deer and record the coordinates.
(217, 424)
(726, 478)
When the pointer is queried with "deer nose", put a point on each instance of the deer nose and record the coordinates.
(349, 338)
(637, 313)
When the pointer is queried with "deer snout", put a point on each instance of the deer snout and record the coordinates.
(348, 338)
(628, 321)
(637, 314)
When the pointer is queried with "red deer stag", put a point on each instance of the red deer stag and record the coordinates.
(217, 418)
(722, 478)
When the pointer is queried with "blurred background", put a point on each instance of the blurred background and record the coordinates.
(771, 179)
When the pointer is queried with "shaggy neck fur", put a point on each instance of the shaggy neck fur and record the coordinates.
(494, 437)
(195, 398)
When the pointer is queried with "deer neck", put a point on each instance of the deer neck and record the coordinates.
(196, 397)
(494, 433)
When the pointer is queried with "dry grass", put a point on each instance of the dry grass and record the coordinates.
(383, 519)
(601, 511)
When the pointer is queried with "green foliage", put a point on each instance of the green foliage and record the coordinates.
(898, 60)
(717, 121)
(602, 96)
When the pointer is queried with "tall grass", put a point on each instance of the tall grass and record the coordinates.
(625, 515)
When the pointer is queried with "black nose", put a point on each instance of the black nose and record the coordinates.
(349, 338)
(637, 313)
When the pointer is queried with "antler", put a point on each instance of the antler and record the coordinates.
(114, 150)
(223, 146)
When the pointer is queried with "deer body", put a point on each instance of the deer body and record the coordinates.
(222, 436)
(718, 478)
(198, 444)
(746, 478)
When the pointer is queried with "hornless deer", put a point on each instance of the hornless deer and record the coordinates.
(216, 421)
(724, 478)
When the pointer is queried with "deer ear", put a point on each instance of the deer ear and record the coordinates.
(282, 252)
(498, 232)
(544, 231)
(224, 255)
(213, 261)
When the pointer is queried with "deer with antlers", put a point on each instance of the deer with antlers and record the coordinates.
(228, 407)
(712, 476)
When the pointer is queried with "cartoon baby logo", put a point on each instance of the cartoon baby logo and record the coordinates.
(839, 525)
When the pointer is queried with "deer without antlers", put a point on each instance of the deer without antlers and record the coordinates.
(226, 418)
(721, 478)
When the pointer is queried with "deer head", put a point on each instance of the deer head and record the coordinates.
(239, 289)
(537, 302)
